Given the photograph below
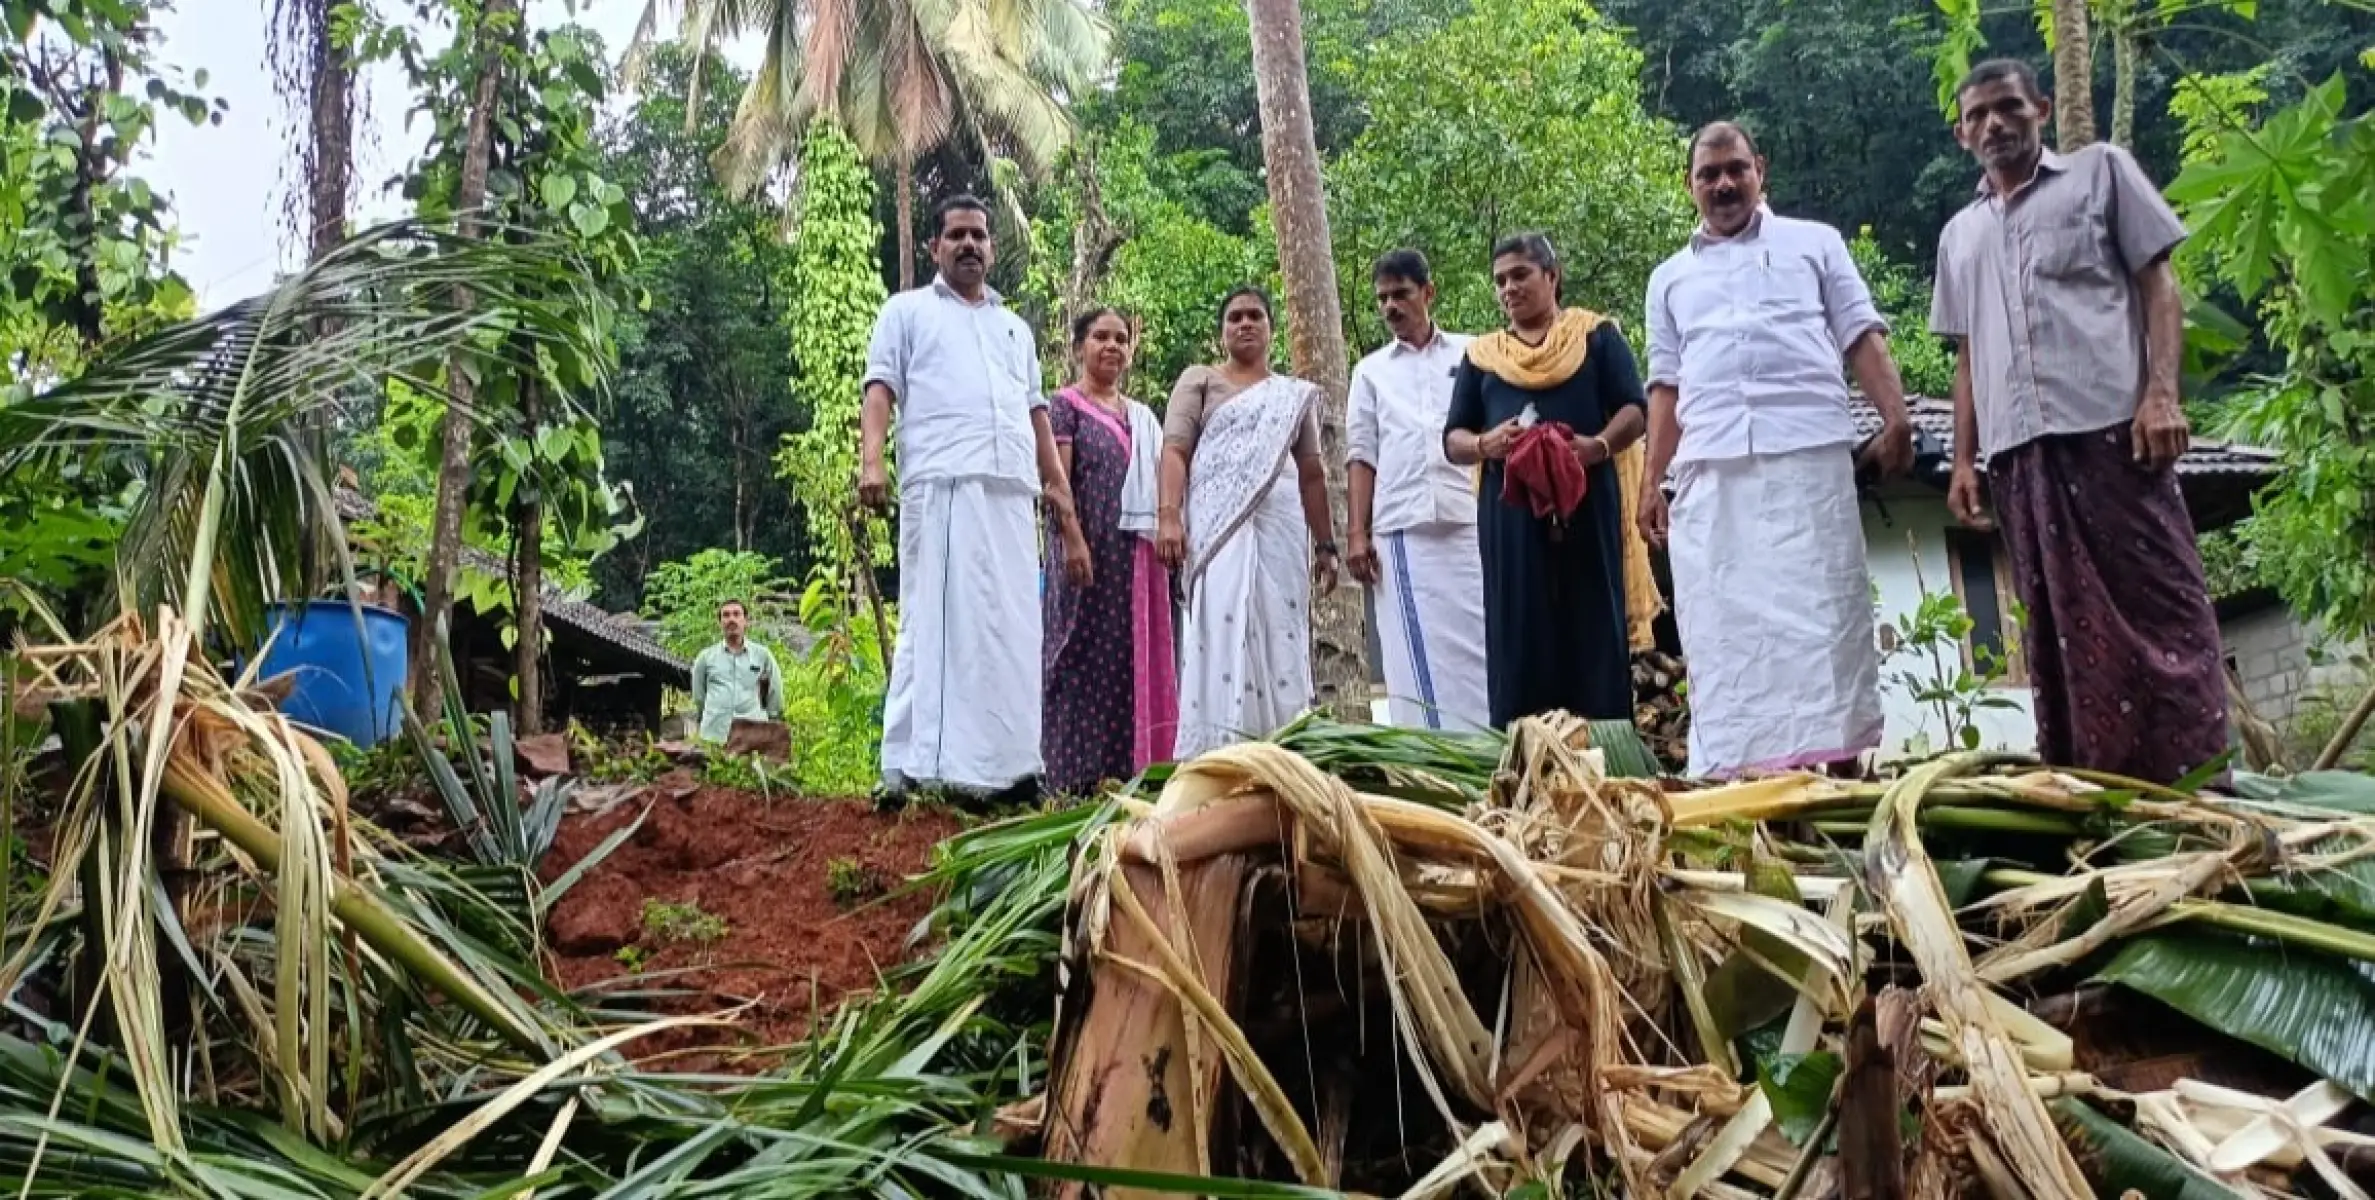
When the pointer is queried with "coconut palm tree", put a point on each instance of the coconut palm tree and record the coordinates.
(2073, 75)
(903, 77)
(1315, 318)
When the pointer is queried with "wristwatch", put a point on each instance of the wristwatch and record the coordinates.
(1326, 548)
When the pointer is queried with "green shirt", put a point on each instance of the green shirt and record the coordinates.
(727, 685)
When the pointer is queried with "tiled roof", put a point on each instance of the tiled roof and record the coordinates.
(620, 633)
(1933, 420)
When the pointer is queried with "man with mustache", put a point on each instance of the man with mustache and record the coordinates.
(976, 454)
(1413, 511)
(2056, 287)
(1748, 326)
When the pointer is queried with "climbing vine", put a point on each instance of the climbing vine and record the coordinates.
(837, 290)
(545, 176)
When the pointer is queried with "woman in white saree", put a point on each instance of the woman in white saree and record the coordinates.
(1243, 515)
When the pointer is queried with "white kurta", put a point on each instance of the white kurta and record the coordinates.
(1774, 605)
(963, 709)
(1430, 627)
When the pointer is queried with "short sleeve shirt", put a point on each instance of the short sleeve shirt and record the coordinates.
(966, 377)
(2040, 285)
(1393, 421)
(1202, 389)
(744, 684)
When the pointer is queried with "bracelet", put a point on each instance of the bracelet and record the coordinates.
(1326, 548)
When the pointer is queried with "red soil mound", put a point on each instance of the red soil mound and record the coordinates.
(761, 866)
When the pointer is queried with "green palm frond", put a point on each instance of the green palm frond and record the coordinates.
(900, 77)
(220, 415)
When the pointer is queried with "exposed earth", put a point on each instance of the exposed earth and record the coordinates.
(789, 948)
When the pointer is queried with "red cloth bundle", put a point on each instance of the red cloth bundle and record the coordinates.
(1543, 474)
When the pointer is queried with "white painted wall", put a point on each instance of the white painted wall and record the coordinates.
(1899, 535)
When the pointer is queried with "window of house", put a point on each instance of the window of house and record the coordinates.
(1983, 582)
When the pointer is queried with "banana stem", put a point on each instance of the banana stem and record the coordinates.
(206, 799)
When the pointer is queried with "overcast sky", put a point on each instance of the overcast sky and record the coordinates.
(228, 181)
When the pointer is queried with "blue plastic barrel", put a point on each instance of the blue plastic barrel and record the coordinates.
(350, 689)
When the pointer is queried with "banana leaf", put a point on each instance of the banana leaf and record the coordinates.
(2334, 791)
(1743, 992)
(1626, 755)
(2313, 1010)
(2120, 1163)
(2343, 894)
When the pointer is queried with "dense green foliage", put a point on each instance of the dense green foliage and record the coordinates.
(85, 252)
(2284, 215)
(1517, 115)
(1168, 272)
(1924, 361)
(1843, 95)
(684, 596)
(703, 392)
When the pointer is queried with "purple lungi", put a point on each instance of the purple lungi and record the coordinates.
(2123, 648)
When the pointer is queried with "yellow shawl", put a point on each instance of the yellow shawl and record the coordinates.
(1554, 362)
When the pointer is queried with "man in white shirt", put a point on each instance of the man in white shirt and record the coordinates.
(1413, 511)
(975, 455)
(1749, 407)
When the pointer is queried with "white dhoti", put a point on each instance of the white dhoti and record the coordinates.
(1245, 662)
(1774, 605)
(963, 704)
(1430, 627)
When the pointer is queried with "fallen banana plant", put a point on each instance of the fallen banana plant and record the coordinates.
(1593, 966)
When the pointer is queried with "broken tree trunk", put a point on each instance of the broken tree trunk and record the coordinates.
(1871, 1140)
(1130, 1092)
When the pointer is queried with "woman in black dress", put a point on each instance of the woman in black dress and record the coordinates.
(1554, 598)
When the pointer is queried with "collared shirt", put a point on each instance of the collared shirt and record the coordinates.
(2041, 284)
(966, 377)
(1394, 422)
(729, 683)
(1750, 331)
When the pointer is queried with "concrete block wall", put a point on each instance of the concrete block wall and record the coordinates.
(2283, 659)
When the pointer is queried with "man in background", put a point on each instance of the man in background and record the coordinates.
(735, 677)
(976, 455)
(1748, 326)
(1412, 516)
(2056, 287)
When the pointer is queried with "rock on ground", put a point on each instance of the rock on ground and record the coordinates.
(597, 916)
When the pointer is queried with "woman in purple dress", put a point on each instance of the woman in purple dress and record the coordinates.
(1112, 694)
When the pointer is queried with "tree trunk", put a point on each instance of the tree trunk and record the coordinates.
(2123, 81)
(527, 578)
(2073, 76)
(905, 171)
(333, 106)
(453, 466)
(1094, 239)
(1315, 318)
